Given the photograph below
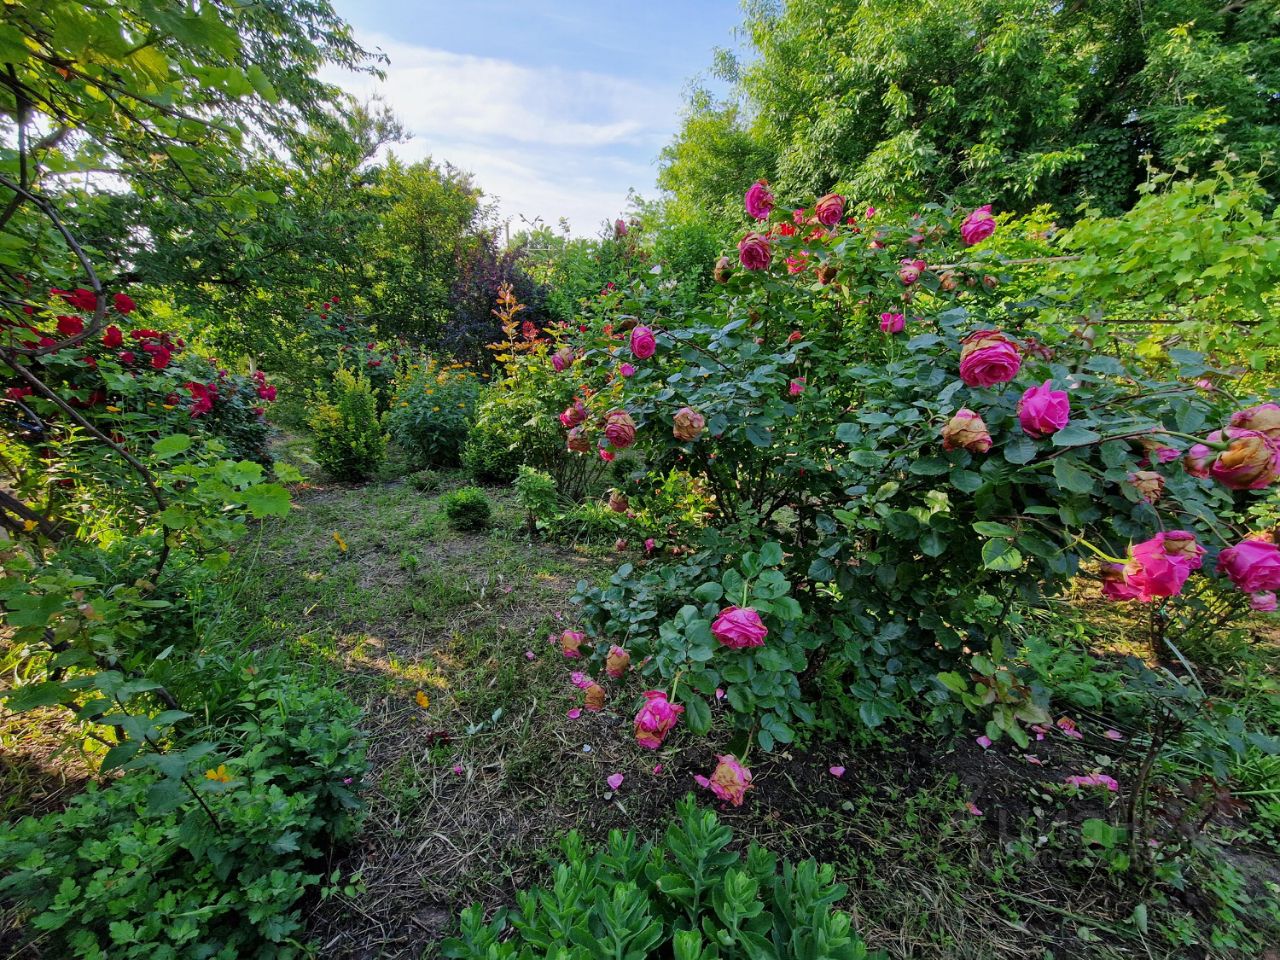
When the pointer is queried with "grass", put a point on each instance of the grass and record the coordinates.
(468, 797)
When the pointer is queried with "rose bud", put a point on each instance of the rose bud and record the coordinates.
(688, 424)
(619, 429)
(947, 281)
(1148, 484)
(723, 270)
(618, 502)
(730, 781)
(988, 357)
(739, 627)
(1197, 459)
(966, 430)
(616, 664)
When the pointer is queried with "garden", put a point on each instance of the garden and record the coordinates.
(867, 548)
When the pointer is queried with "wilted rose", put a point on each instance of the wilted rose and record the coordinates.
(619, 429)
(730, 780)
(616, 664)
(754, 251)
(687, 424)
(656, 719)
(1148, 484)
(968, 431)
(1250, 462)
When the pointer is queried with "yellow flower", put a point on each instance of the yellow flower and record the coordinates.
(29, 525)
(219, 774)
(170, 406)
(111, 409)
(435, 409)
(422, 699)
(462, 404)
(342, 544)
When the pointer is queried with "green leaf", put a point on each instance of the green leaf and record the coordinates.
(698, 715)
(759, 436)
(171, 445)
(989, 528)
(32, 695)
(1074, 436)
(1000, 555)
(1070, 477)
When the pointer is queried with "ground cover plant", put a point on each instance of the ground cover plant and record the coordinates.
(868, 549)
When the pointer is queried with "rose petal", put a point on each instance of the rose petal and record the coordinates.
(614, 781)
(574, 713)
(984, 741)
(836, 771)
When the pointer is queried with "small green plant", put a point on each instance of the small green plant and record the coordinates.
(690, 898)
(536, 492)
(467, 509)
(424, 481)
(349, 442)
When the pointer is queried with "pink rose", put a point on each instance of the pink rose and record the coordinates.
(687, 424)
(829, 209)
(643, 344)
(1043, 411)
(1264, 418)
(738, 627)
(978, 225)
(1115, 586)
(656, 719)
(1263, 602)
(966, 429)
(754, 251)
(892, 322)
(562, 358)
(573, 415)
(620, 228)
(730, 780)
(627, 370)
(1197, 459)
(796, 387)
(650, 545)
(758, 201)
(909, 271)
(616, 664)
(619, 429)
(1252, 565)
(1160, 566)
(988, 357)
(607, 455)
(1250, 462)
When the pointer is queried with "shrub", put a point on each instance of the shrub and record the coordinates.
(691, 897)
(125, 872)
(431, 411)
(508, 432)
(424, 481)
(467, 509)
(888, 501)
(349, 442)
(536, 492)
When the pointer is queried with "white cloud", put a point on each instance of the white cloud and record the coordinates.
(547, 142)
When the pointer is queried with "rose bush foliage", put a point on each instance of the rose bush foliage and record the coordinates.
(889, 498)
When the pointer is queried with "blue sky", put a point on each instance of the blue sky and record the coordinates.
(557, 108)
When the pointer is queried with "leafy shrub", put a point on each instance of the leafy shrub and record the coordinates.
(467, 509)
(690, 898)
(886, 507)
(536, 492)
(349, 442)
(424, 481)
(431, 412)
(131, 871)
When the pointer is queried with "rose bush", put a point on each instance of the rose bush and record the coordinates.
(894, 515)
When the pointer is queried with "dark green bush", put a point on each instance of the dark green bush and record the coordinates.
(467, 509)
(691, 898)
(424, 481)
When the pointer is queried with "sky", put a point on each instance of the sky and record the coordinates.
(556, 108)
